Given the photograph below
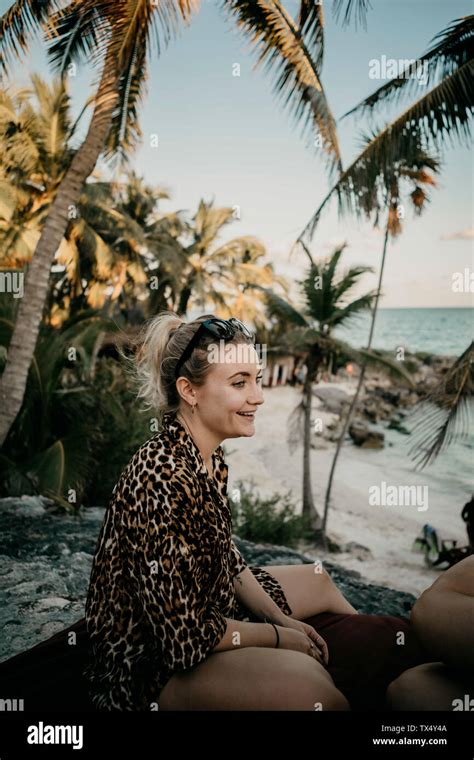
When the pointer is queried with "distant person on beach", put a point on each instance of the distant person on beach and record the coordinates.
(176, 618)
(443, 619)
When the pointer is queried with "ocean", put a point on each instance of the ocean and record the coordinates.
(446, 332)
(439, 331)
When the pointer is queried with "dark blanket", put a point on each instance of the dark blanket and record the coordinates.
(366, 652)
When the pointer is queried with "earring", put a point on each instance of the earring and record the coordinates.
(193, 408)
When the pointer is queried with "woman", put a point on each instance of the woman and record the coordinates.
(443, 618)
(176, 618)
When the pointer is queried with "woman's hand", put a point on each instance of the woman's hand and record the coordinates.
(319, 650)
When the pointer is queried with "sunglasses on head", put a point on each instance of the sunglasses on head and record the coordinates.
(224, 329)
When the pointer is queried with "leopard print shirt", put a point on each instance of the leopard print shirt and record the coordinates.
(161, 583)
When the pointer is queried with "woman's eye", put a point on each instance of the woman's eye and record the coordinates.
(242, 382)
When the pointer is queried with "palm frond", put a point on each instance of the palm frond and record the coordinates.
(125, 132)
(358, 7)
(208, 222)
(310, 20)
(320, 300)
(375, 360)
(352, 309)
(443, 415)
(21, 22)
(64, 463)
(349, 280)
(242, 250)
(295, 427)
(454, 49)
(367, 186)
(157, 21)
(281, 48)
(278, 307)
(77, 32)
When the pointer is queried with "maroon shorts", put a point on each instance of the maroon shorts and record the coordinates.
(366, 653)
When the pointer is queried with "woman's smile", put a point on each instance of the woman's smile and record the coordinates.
(247, 415)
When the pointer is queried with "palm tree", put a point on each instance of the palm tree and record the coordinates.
(116, 35)
(328, 305)
(443, 113)
(416, 176)
(113, 247)
(399, 151)
(222, 275)
(35, 133)
(106, 246)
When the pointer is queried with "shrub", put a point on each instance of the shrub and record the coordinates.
(271, 520)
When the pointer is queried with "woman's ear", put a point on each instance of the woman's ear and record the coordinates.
(185, 390)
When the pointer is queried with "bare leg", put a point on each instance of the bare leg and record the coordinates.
(309, 591)
(446, 601)
(253, 678)
(430, 686)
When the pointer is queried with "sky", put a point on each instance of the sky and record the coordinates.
(230, 139)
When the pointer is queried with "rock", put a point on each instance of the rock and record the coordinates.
(371, 412)
(439, 362)
(333, 398)
(396, 424)
(43, 593)
(424, 373)
(358, 550)
(385, 411)
(52, 602)
(389, 395)
(364, 437)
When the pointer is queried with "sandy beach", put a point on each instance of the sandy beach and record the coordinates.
(387, 531)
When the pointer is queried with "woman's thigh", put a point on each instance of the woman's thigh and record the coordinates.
(253, 678)
(431, 686)
(310, 590)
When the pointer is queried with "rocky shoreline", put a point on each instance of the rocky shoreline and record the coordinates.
(383, 401)
(45, 561)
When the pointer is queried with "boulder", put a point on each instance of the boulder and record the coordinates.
(364, 437)
(333, 398)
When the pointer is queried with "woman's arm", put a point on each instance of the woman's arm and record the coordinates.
(253, 596)
(244, 634)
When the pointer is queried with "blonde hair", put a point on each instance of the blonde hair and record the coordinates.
(158, 348)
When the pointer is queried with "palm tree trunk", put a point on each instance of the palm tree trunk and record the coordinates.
(30, 312)
(359, 386)
(309, 509)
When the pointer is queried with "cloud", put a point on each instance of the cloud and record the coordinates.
(467, 234)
